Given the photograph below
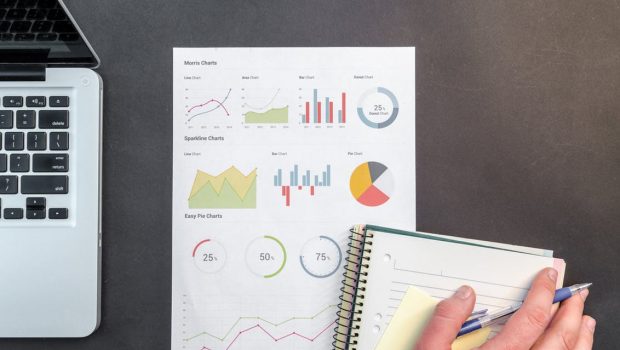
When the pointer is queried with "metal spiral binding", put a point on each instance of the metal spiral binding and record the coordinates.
(353, 289)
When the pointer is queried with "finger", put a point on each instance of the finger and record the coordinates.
(527, 324)
(447, 319)
(564, 329)
(586, 334)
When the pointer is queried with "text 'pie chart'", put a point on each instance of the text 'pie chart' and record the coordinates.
(372, 184)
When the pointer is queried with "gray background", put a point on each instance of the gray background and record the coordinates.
(518, 134)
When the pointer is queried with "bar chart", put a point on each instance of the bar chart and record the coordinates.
(309, 181)
(324, 110)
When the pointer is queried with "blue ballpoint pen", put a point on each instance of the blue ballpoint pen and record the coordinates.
(475, 324)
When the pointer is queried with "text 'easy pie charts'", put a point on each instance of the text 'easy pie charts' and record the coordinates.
(372, 184)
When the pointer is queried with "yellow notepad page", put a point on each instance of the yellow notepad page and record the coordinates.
(409, 320)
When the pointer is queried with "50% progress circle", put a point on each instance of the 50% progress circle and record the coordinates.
(266, 256)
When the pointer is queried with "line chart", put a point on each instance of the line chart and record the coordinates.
(258, 318)
(276, 339)
(218, 104)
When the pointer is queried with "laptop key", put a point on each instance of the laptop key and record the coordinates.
(68, 37)
(6, 37)
(14, 141)
(13, 213)
(20, 162)
(25, 119)
(7, 3)
(8, 184)
(59, 101)
(50, 162)
(34, 214)
(44, 184)
(26, 3)
(13, 101)
(34, 14)
(6, 119)
(59, 141)
(20, 26)
(36, 101)
(3, 167)
(56, 15)
(35, 208)
(47, 4)
(47, 37)
(4, 26)
(54, 119)
(63, 27)
(58, 213)
(35, 202)
(41, 26)
(16, 14)
(24, 37)
(36, 141)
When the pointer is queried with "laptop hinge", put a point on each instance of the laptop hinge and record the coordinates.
(22, 72)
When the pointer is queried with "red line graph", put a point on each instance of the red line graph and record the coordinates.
(208, 102)
(274, 338)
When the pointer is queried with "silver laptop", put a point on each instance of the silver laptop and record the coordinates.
(50, 179)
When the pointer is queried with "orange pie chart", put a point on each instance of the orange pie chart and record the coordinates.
(371, 184)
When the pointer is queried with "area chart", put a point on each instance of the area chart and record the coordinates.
(230, 189)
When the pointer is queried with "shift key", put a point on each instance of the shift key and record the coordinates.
(44, 184)
(54, 119)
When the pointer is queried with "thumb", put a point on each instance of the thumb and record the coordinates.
(449, 316)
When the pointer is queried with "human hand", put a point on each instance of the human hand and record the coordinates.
(534, 326)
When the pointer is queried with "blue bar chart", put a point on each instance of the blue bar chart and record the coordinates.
(309, 180)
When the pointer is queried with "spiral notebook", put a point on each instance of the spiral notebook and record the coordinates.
(382, 264)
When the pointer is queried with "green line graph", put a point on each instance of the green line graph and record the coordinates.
(258, 318)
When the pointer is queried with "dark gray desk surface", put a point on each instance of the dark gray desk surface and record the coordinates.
(518, 131)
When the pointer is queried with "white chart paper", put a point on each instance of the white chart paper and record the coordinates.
(277, 153)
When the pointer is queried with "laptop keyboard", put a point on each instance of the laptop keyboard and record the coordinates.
(35, 20)
(34, 157)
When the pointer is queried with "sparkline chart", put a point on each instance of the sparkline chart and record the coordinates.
(310, 182)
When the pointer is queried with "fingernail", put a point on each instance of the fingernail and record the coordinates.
(591, 324)
(584, 294)
(552, 274)
(463, 292)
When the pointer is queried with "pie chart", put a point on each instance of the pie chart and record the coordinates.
(371, 184)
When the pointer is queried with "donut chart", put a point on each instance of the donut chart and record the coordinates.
(371, 184)
(378, 107)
